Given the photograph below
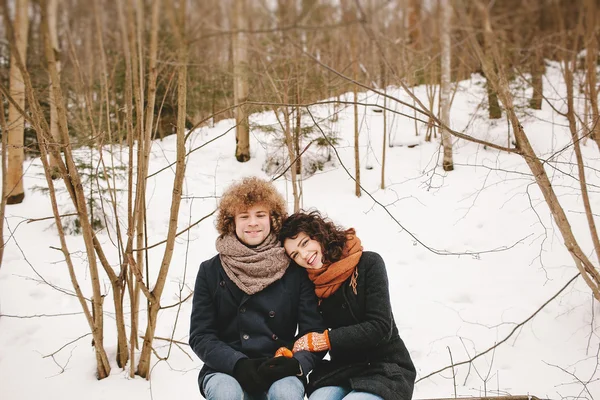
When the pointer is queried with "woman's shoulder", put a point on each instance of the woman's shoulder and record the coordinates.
(294, 270)
(371, 259)
(371, 264)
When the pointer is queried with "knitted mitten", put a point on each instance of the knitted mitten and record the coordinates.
(313, 342)
(284, 352)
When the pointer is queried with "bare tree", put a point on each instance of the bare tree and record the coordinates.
(178, 26)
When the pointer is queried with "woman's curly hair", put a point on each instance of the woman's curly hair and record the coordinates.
(245, 194)
(331, 237)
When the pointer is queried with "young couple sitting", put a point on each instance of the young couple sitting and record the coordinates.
(281, 293)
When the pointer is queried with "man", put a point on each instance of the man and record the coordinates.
(249, 302)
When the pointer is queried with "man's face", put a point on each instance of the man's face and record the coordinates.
(252, 226)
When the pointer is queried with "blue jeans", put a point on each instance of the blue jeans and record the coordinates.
(339, 393)
(220, 386)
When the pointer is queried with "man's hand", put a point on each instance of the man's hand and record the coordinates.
(313, 342)
(246, 373)
(284, 352)
(277, 368)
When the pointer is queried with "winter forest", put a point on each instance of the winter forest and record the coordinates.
(461, 139)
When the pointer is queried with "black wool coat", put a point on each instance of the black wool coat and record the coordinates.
(367, 352)
(227, 324)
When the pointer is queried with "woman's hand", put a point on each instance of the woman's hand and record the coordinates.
(313, 342)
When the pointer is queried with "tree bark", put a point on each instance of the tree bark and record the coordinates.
(4, 128)
(240, 80)
(591, 62)
(52, 17)
(16, 122)
(446, 16)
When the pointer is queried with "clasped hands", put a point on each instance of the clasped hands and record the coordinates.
(255, 375)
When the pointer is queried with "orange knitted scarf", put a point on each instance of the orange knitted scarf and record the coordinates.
(329, 278)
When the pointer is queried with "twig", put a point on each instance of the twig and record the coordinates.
(453, 371)
(66, 344)
(40, 315)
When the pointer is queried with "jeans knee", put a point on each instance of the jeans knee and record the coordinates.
(289, 388)
(329, 393)
(219, 386)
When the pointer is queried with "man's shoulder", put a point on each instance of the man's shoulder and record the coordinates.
(211, 264)
(295, 272)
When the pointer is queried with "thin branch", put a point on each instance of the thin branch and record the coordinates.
(506, 338)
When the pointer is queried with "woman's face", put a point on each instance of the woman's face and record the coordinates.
(305, 251)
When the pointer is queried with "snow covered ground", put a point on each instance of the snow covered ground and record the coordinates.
(472, 254)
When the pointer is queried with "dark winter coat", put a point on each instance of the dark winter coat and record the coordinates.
(227, 324)
(366, 353)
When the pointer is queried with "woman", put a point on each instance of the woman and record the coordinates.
(368, 360)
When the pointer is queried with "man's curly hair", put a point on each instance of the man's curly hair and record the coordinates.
(245, 194)
(331, 237)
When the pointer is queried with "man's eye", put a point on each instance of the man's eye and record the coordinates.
(243, 217)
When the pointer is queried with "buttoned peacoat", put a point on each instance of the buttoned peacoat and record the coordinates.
(366, 352)
(227, 324)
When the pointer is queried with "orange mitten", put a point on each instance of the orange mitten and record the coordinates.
(284, 352)
(313, 342)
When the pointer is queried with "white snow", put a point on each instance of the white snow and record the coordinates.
(473, 253)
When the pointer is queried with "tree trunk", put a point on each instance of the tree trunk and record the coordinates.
(16, 122)
(240, 80)
(4, 158)
(591, 61)
(446, 15)
(52, 17)
(384, 86)
(537, 81)
(354, 59)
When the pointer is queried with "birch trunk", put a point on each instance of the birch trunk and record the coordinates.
(240, 80)
(52, 17)
(591, 58)
(16, 122)
(446, 16)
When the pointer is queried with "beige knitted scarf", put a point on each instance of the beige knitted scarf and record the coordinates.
(252, 268)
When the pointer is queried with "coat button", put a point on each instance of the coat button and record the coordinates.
(344, 305)
(243, 310)
(271, 314)
(246, 336)
(275, 337)
(222, 283)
